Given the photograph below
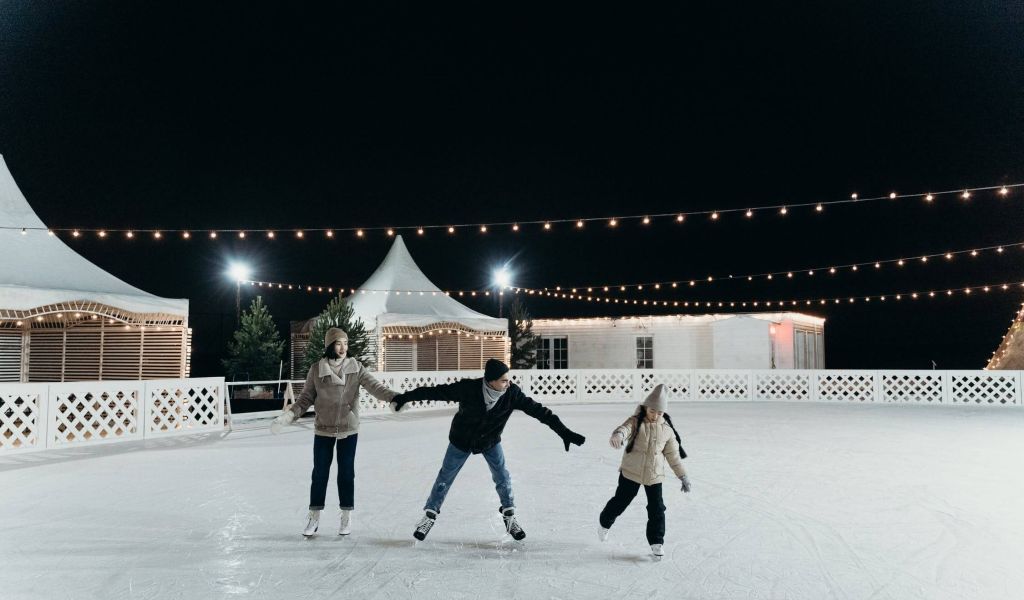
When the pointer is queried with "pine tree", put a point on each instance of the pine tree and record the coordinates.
(523, 341)
(255, 351)
(339, 313)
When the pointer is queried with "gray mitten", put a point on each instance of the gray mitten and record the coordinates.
(686, 483)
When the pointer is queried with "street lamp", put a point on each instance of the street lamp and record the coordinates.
(239, 273)
(502, 279)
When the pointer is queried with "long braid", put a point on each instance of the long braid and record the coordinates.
(668, 419)
(641, 414)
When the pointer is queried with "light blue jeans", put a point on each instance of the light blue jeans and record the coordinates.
(452, 464)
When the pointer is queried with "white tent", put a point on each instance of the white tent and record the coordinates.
(51, 298)
(413, 324)
(398, 293)
(39, 269)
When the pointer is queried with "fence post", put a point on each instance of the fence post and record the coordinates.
(45, 418)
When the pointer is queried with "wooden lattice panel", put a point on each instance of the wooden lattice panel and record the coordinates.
(470, 353)
(854, 386)
(924, 387)
(447, 352)
(94, 411)
(177, 406)
(46, 356)
(426, 354)
(985, 388)
(780, 385)
(398, 354)
(82, 352)
(21, 419)
(10, 355)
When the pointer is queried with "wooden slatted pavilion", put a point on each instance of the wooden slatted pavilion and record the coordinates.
(413, 325)
(62, 318)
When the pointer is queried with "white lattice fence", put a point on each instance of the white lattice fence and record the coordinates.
(915, 387)
(23, 418)
(853, 386)
(723, 384)
(783, 385)
(37, 416)
(176, 406)
(94, 412)
(985, 388)
(609, 385)
(554, 385)
(679, 383)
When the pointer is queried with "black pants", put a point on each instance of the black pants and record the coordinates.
(624, 494)
(323, 454)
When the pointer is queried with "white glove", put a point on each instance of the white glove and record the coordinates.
(285, 418)
(616, 440)
(686, 483)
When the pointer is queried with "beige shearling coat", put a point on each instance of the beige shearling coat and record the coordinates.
(655, 446)
(336, 398)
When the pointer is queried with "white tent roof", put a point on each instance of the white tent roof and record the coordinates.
(39, 269)
(399, 273)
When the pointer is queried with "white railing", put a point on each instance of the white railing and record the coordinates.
(38, 416)
(950, 388)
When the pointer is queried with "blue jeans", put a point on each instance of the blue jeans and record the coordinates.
(323, 454)
(453, 461)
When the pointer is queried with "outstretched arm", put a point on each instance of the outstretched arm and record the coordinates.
(544, 415)
(443, 393)
(376, 389)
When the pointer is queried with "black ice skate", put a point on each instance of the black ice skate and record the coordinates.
(511, 525)
(423, 527)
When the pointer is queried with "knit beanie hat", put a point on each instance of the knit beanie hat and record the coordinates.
(494, 369)
(657, 399)
(334, 334)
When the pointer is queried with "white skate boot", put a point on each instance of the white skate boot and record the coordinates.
(312, 523)
(346, 522)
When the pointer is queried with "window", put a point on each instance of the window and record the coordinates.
(553, 353)
(645, 352)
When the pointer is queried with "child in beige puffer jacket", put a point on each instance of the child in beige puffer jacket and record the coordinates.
(652, 442)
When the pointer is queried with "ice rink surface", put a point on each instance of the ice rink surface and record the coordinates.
(789, 501)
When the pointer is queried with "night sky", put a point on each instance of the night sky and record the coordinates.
(237, 115)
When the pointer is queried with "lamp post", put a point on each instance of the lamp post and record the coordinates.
(239, 273)
(502, 279)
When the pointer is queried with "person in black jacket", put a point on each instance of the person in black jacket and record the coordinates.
(485, 405)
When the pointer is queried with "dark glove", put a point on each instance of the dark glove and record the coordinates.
(398, 401)
(571, 437)
(568, 436)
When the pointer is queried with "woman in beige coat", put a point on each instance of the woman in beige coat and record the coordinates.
(332, 387)
(653, 442)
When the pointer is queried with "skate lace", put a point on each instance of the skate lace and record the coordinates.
(425, 524)
(511, 525)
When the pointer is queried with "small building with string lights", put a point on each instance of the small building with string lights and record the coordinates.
(413, 324)
(783, 340)
(62, 318)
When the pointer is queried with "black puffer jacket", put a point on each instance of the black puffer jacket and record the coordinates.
(474, 428)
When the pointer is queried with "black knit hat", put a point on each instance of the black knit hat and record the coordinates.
(494, 369)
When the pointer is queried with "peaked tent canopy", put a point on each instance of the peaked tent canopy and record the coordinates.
(39, 269)
(1010, 353)
(411, 299)
(413, 325)
(52, 299)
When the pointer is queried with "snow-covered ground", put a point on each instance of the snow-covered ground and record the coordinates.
(789, 501)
